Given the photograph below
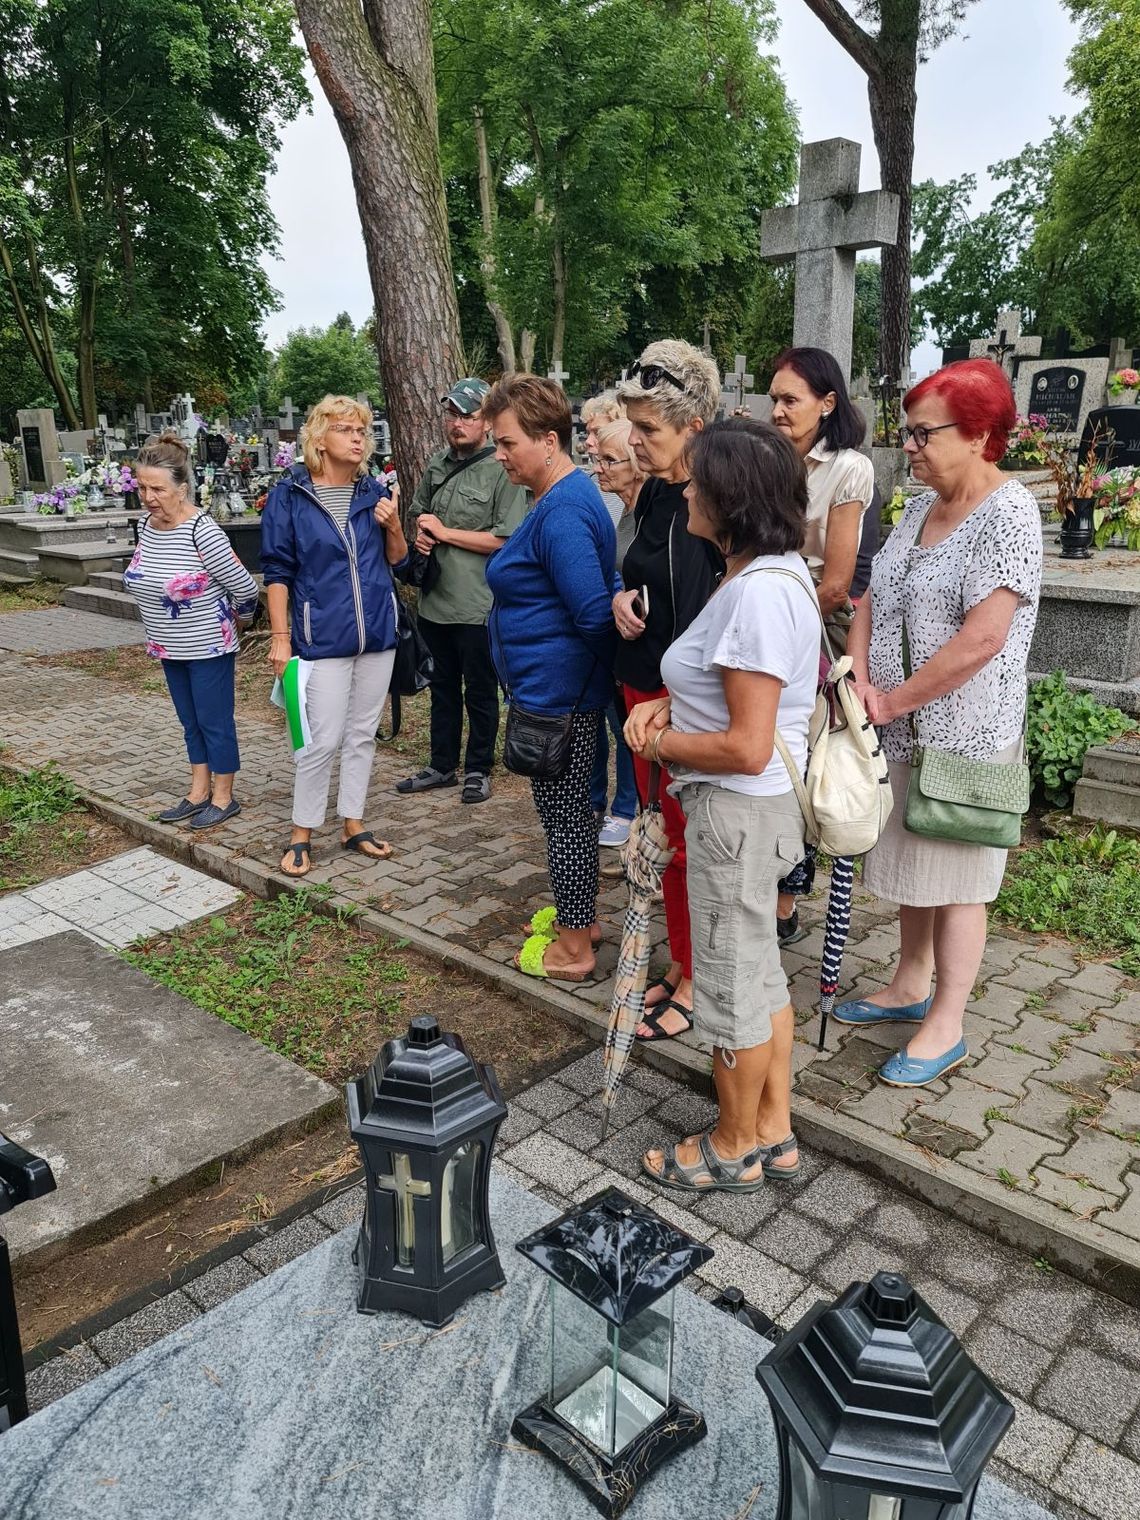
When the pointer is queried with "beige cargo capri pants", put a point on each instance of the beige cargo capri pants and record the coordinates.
(737, 847)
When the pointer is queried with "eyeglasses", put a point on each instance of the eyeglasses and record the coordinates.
(922, 435)
(344, 427)
(611, 464)
(653, 374)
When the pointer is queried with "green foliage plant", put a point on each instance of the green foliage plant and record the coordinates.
(1081, 886)
(1063, 724)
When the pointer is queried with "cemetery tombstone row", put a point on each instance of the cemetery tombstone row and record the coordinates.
(1063, 391)
(1118, 445)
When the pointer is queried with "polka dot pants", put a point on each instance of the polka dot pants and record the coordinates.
(571, 830)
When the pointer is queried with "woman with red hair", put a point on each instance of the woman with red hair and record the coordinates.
(960, 575)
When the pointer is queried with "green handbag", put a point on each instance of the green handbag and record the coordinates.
(952, 797)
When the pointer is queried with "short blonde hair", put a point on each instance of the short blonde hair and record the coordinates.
(327, 410)
(606, 408)
(615, 436)
(697, 372)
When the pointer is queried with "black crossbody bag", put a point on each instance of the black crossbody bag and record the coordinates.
(538, 744)
(422, 570)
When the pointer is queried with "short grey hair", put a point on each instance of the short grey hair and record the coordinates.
(701, 395)
(606, 408)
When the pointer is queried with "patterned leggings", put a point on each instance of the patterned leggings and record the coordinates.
(571, 829)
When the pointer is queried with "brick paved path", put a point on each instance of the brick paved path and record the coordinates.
(58, 630)
(1035, 1140)
(1067, 1356)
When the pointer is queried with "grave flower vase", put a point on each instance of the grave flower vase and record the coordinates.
(609, 1416)
(1077, 529)
(879, 1412)
(425, 1116)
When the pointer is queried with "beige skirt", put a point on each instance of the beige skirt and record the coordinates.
(917, 872)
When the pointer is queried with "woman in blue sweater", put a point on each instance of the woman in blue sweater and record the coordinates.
(552, 640)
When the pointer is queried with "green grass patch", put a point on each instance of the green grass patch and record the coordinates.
(1082, 886)
(40, 816)
(304, 984)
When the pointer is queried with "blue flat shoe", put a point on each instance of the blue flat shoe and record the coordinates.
(211, 816)
(861, 1012)
(183, 810)
(902, 1070)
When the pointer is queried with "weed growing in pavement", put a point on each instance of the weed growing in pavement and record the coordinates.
(31, 805)
(1006, 1178)
(1082, 886)
(995, 1116)
(1044, 1265)
(303, 983)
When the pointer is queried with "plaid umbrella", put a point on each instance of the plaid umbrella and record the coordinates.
(836, 928)
(647, 855)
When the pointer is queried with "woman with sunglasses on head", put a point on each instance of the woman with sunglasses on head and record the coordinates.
(330, 536)
(940, 645)
(672, 392)
(811, 408)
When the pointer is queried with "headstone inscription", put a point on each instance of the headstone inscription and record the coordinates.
(214, 449)
(1063, 390)
(822, 233)
(39, 441)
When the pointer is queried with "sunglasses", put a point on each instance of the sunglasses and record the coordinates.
(652, 375)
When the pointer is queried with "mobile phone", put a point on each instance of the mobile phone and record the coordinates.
(640, 607)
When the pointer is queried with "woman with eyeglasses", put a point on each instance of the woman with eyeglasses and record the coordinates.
(812, 409)
(960, 578)
(330, 536)
(671, 394)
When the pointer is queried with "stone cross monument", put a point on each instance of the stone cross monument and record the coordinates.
(822, 233)
(1007, 344)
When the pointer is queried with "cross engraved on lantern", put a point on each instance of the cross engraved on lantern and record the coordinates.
(406, 1188)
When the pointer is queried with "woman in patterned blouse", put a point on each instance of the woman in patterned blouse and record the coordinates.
(962, 574)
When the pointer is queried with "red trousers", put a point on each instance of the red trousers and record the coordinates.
(674, 883)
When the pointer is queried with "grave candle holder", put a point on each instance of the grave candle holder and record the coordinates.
(609, 1416)
(425, 1116)
(1077, 529)
(879, 1413)
(22, 1178)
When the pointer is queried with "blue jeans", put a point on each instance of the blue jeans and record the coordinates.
(203, 695)
(625, 791)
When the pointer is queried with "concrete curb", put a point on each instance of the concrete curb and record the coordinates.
(1097, 1256)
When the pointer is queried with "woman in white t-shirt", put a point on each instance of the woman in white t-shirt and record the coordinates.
(747, 665)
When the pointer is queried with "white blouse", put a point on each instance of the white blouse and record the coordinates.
(998, 544)
(834, 476)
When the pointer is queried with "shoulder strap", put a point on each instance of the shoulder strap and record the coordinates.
(464, 464)
(792, 576)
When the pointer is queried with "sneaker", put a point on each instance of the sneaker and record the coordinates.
(426, 781)
(476, 787)
(614, 831)
(788, 930)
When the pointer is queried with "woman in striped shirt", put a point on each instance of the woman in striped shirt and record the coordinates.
(192, 592)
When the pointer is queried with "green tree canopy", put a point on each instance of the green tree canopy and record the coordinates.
(138, 135)
(314, 362)
(606, 167)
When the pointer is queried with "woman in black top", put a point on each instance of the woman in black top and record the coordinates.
(672, 392)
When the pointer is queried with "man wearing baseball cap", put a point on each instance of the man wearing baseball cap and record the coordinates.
(463, 510)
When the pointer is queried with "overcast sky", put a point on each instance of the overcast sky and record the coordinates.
(983, 96)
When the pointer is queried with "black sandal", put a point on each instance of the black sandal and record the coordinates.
(652, 1017)
(354, 841)
(302, 856)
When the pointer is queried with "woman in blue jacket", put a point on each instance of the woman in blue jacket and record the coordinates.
(552, 640)
(329, 535)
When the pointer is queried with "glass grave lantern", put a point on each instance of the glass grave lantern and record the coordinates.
(609, 1415)
(879, 1413)
(425, 1116)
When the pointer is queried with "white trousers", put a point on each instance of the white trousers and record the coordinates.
(343, 704)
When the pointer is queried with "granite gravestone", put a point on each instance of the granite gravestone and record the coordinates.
(737, 394)
(43, 467)
(822, 234)
(1062, 390)
(7, 488)
(1118, 446)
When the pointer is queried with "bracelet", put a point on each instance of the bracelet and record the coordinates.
(655, 747)
(273, 634)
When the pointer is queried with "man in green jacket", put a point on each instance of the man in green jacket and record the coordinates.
(463, 510)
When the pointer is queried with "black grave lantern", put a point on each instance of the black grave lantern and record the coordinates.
(425, 1116)
(879, 1413)
(609, 1416)
(22, 1178)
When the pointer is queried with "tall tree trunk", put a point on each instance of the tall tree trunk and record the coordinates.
(86, 281)
(558, 270)
(374, 61)
(487, 262)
